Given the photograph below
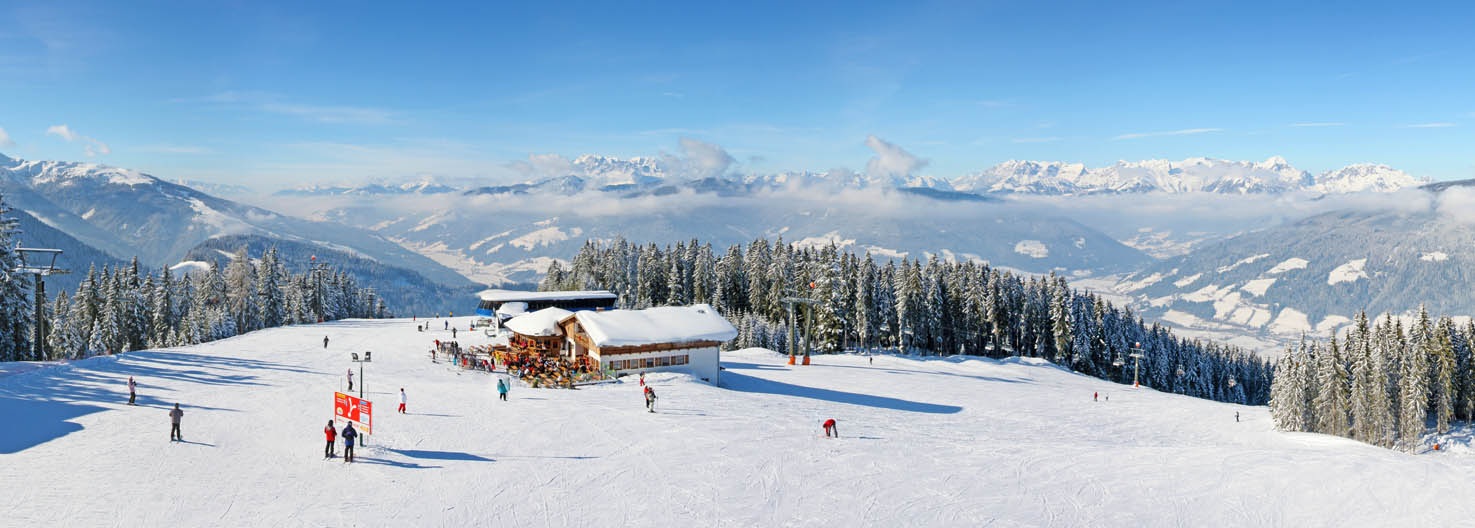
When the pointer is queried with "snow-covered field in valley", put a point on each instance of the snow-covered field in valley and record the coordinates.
(935, 442)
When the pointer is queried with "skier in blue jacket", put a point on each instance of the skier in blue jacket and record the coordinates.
(348, 436)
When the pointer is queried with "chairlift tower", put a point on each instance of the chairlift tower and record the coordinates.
(30, 263)
(807, 306)
(1136, 362)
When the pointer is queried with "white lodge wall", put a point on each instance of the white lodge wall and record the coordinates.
(702, 362)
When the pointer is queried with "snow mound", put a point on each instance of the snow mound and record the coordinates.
(1436, 256)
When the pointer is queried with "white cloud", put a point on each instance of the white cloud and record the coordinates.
(5, 140)
(1184, 132)
(891, 161)
(91, 147)
(1429, 125)
(704, 159)
(1317, 124)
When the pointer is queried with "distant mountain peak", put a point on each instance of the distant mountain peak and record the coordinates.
(1195, 174)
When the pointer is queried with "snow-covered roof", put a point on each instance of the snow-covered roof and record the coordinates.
(541, 323)
(514, 295)
(666, 324)
(511, 309)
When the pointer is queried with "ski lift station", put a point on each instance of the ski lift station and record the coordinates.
(497, 306)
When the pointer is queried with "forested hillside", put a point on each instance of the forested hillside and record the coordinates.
(932, 307)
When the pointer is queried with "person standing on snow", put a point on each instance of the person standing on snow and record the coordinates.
(650, 399)
(1236, 416)
(831, 427)
(642, 379)
(332, 433)
(350, 379)
(348, 435)
(453, 333)
(131, 388)
(502, 389)
(1095, 395)
(402, 400)
(174, 417)
(325, 342)
(447, 325)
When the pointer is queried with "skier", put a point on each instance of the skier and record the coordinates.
(502, 389)
(453, 333)
(1236, 416)
(348, 435)
(642, 379)
(830, 426)
(402, 400)
(331, 432)
(650, 399)
(447, 325)
(174, 416)
(325, 342)
(1095, 395)
(131, 388)
(350, 379)
(871, 359)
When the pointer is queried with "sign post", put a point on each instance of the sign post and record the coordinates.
(354, 410)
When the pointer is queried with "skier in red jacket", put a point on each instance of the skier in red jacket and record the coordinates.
(331, 433)
(830, 426)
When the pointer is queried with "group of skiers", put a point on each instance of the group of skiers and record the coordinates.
(349, 435)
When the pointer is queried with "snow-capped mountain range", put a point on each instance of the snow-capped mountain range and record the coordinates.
(1016, 177)
(1274, 175)
(128, 213)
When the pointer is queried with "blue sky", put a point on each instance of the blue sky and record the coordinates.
(274, 95)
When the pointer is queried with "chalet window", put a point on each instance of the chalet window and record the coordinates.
(679, 360)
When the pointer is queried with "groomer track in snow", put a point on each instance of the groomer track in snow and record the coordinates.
(940, 442)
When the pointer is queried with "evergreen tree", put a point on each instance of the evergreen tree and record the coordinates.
(15, 299)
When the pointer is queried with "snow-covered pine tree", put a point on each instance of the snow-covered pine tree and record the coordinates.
(1060, 323)
(865, 305)
(1414, 383)
(1331, 405)
(269, 289)
(240, 287)
(15, 299)
(60, 338)
(1442, 395)
(1287, 406)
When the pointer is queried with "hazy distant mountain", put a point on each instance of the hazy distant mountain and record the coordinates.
(1315, 274)
(1274, 175)
(128, 213)
(422, 186)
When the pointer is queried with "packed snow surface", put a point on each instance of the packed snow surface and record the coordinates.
(1436, 256)
(665, 324)
(925, 442)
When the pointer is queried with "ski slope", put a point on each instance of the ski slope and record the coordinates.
(937, 442)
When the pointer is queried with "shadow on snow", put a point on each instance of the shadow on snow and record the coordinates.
(744, 383)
